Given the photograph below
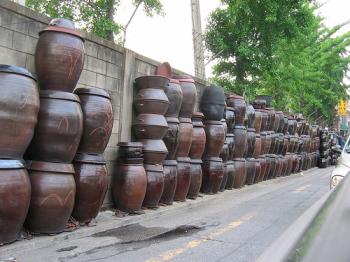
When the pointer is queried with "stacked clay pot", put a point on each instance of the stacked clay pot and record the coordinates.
(150, 127)
(213, 105)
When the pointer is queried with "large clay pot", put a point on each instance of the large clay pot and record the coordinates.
(251, 141)
(230, 139)
(250, 170)
(273, 166)
(230, 119)
(215, 138)
(155, 185)
(53, 194)
(224, 179)
(171, 137)
(273, 142)
(230, 170)
(280, 117)
(59, 57)
(129, 185)
(183, 178)
(59, 129)
(238, 103)
(257, 149)
(224, 124)
(213, 103)
(151, 101)
(285, 126)
(240, 172)
(130, 150)
(185, 137)
(258, 120)
(19, 110)
(198, 136)
(189, 92)
(154, 151)
(151, 81)
(251, 116)
(263, 136)
(268, 142)
(240, 133)
(91, 186)
(15, 193)
(196, 178)
(263, 168)
(213, 173)
(150, 126)
(273, 121)
(225, 152)
(264, 119)
(170, 181)
(97, 119)
(174, 93)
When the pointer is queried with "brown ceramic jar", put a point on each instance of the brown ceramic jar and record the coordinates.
(213, 172)
(225, 152)
(268, 142)
(196, 178)
(150, 126)
(257, 149)
(251, 141)
(151, 101)
(97, 119)
(212, 103)
(257, 170)
(91, 186)
(250, 170)
(230, 119)
(185, 137)
(59, 129)
(155, 185)
(230, 170)
(53, 194)
(183, 178)
(272, 169)
(170, 181)
(154, 151)
(239, 105)
(264, 119)
(224, 124)
(240, 133)
(59, 56)
(174, 93)
(171, 138)
(280, 117)
(230, 139)
(198, 136)
(151, 81)
(224, 178)
(19, 110)
(240, 172)
(273, 142)
(129, 187)
(15, 192)
(258, 120)
(215, 138)
(189, 92)
(250, 116)
(129, 150)
(263, 166)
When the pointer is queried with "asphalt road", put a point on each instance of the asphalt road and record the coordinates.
(238, 226)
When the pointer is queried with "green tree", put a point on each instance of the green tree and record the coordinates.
(95, 16)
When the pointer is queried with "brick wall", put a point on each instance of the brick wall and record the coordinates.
(107, 66)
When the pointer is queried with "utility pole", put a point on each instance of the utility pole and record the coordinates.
(197, 38)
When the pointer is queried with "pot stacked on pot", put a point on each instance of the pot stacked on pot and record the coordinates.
(59, 60)
(19, 110)
(325, 148)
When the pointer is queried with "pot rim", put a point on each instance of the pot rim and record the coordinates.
(213, 159)
(11, 164)
(154, 168)
(130, 144)
(91, 91)
(185, 120)
(16, 70)
(183, 159)
(196, 161)
(59, 95)
(63, 30)
(171, 119)
(169, 162)
(96, 159)
(42, 166)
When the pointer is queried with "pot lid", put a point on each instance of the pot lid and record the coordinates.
(64, 30)
(89, 158)
(183, 159)
(170, 163)
(150, 120)
(183, 78)
(213, 159)
(154, 145)
(16, 70)
(173, 120)
(130, 144)
(60, 95)
(92, 91)
(50, 167)
(196, 161)
(11, 164)
(154, 168)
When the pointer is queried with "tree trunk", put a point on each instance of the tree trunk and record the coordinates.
(111, 13)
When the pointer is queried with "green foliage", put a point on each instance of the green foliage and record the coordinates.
(95, 16)
(279, 47)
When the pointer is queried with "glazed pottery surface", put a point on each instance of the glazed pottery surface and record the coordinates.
(170, 181)
(215, 138)
(230, 170)
(130, 150)
(155, 185)
(196, 178)
(189, 93)
(239, 105)
(213, 103)
(251, 116)
(154, 151)
(150, 126)
(174, 93)
(240, 133)
(251, 141)
(250, 170)
(213, 173)
(198, 137)
(183, 178)
(151, 101)
(240, 172)
(171, 138)
(230, 119)
(185, 137)
(257, 149)
(151, 81)
(258, 120)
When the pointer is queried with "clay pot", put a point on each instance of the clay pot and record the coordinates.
(257, 170)
(170, 181)
(280, 117)
(264, 119)
(19, 110)
(130, 150)
(174, 93)
(285, 126)
(263, 168)
(198, 136)
(185, 137)
(250, 142)
(250, 170)
(150, 126)
(91, 186)
(268, 142)
(59, 57)
(215, 138)
(154, 151)
(263, 137)
(171, 137)
(213, 103)
(97, 119)
(230, 170)
(273, 142)
(129, 187)
(155, 185)
(258, 120)
(183, 178)
(240, 172)
(59, 129)
(257, 149)
(15, 191)
(189, 92)
(224, 124)
(230, 139)
(251, 116)
(273, 119)
(151, 101)
(196, 178)
(151, 81)
(53, 194)
(273, 166)
(240, 133)
(225, 152)
(224, 179)
(213, 173)
(239, 105)
(230, 119)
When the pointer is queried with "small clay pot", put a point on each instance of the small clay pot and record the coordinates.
(196, 178)
(170, 181)
(155, 185)
(213, 173)
(183, 178)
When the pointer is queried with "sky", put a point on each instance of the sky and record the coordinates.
(169, 37)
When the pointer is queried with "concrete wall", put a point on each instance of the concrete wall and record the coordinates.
(107, 66)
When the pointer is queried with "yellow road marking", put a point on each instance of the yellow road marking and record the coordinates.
(168, 255)
(302, 188)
